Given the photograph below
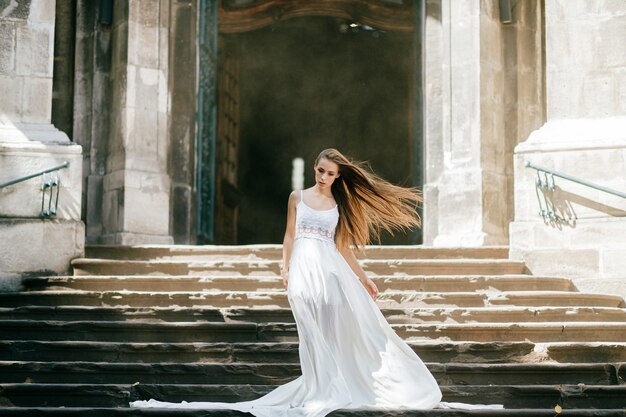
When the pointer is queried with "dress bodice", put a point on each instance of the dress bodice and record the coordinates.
(316, 224)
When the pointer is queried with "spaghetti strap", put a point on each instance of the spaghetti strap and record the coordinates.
(301, 196)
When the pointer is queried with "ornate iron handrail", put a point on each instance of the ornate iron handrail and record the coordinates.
(553, 174)
(46, 183)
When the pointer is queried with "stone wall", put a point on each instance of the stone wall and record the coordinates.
(26, 52)
(586, 59)
(484, 94)
(584, 136)
(30, 143)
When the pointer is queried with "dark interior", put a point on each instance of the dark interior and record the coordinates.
(312, 83)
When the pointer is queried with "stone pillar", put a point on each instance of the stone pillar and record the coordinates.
(584, 136)
(436, 68)
(477, 110)
(453, 190)
(93, 106)
(182, 130)
(128, 187)
(30, 143)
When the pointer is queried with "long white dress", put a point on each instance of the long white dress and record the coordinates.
(349, 355)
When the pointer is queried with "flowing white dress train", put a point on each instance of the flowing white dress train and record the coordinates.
(349, 355)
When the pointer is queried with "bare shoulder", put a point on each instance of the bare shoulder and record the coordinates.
(294, 198)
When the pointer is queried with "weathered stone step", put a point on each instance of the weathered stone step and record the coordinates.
(510, 314)
(505, 314)
(535, 332)
(492, 299)
(438, 283)
(278, 374)
(127, 352)
(127, 412)
(92, 266)
(246, 299)
(287, 352)
(251, 332)
(210, 252)
(176, 252)
(119, 331)
(266, 352)
(445, 267)
(586, 352)
(111, 395)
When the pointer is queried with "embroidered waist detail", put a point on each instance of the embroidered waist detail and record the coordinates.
(312, 232)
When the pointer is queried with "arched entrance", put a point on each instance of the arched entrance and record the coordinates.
(285, 79)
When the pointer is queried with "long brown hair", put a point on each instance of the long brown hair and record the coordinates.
(367, 203)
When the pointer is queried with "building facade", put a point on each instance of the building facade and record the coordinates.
(181, 119)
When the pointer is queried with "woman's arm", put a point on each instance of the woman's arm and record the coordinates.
(370, 286)
(290, 232)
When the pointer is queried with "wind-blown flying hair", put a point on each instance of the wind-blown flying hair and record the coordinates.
(368, 204)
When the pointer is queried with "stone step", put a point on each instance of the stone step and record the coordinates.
(210, 252)
(280, 373)
(117, 331)
(265, 352)
(251, 332)
(127, 412)
(584, 352)
(111, 395)
(436, 283)
(187, 252)
(247, 299)
(445, 267)
(287, 352)
(506, 314)
(93, 266)
(535, 332)
(157, 351)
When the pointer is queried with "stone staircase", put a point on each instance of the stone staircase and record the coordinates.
(213, 324)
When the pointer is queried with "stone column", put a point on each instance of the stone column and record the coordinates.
(182, 130)
(476, 112)
(128, 196)
(584, 136)
(453, 193)
(30, 143)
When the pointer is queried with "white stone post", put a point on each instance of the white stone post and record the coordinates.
(584, 136)
(30, 143)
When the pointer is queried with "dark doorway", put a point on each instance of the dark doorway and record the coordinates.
(311, 83)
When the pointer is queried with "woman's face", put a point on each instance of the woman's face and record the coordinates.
(326, 172)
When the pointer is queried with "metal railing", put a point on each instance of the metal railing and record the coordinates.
(49, 186)
(546, 183)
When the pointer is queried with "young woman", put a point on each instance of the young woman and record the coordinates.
(349, 355)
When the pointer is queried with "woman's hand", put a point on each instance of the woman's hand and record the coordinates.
(371, 288)
(285, 274)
